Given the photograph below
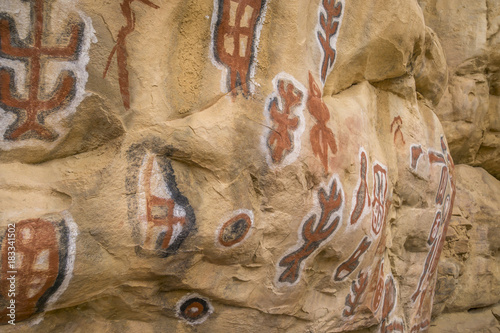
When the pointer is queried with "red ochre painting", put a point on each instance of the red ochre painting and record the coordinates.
(314, 231)
(285, 117)
(363, 206)
(379, 197)
(330, 15)
(236, 28)
(194, 309)
(236, 229)
(29, 107)
(321, 136)
(42, 266)
(361, 198)
(121, 48)
(441, 165)
(160, 215)
(396, 125)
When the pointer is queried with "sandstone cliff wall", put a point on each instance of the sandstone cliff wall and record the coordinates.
(249, 165)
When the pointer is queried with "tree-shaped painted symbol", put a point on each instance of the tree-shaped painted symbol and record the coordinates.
(31, 112)
(329, 25)
(322, 138)
(280, 141)
(314, 231)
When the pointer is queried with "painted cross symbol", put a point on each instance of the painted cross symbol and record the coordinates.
(31, 112)
(161, 212)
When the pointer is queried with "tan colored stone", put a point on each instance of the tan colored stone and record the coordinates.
(462, 27)
(431, 72)
(192, 191)
(475, 248)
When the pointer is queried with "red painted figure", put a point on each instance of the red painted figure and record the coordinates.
(37, 266)
(313, 233)
(30, 112)
(235, 39)
(329, 24)
(280, 141)
(121, 49)
(322, 138)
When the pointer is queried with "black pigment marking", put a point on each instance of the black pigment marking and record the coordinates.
(197, 303)
(135, 157)
(64, 240)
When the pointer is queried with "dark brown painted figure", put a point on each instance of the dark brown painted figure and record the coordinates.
(121, 49)
(235, 39)
(362, 195)
(37, 267)
(356, 297)
(313, 236)
(30, 112)
(280, 141)
(322, 138)
(348, 266)
(329, 24)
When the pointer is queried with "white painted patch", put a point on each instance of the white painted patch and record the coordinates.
(297, 110)
(51, 70)
(42, 261)
(176, 231)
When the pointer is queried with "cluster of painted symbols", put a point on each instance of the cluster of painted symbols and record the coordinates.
(440, 161)
(32, 108)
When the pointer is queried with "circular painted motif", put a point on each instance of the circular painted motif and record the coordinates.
(194, 309)
(235, 230)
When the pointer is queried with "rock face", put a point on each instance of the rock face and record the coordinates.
(469, 109)
(469, 274)
(247, 165)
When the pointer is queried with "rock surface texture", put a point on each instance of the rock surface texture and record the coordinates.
(249, 165)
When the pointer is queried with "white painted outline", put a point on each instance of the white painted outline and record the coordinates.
(225, 71)
(333, 39)
(196, 322)
(226, 218)
(297, 111)
(77, 67)
(316, 209)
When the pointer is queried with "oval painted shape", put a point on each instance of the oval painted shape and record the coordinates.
(235, 230)
(194, 309)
